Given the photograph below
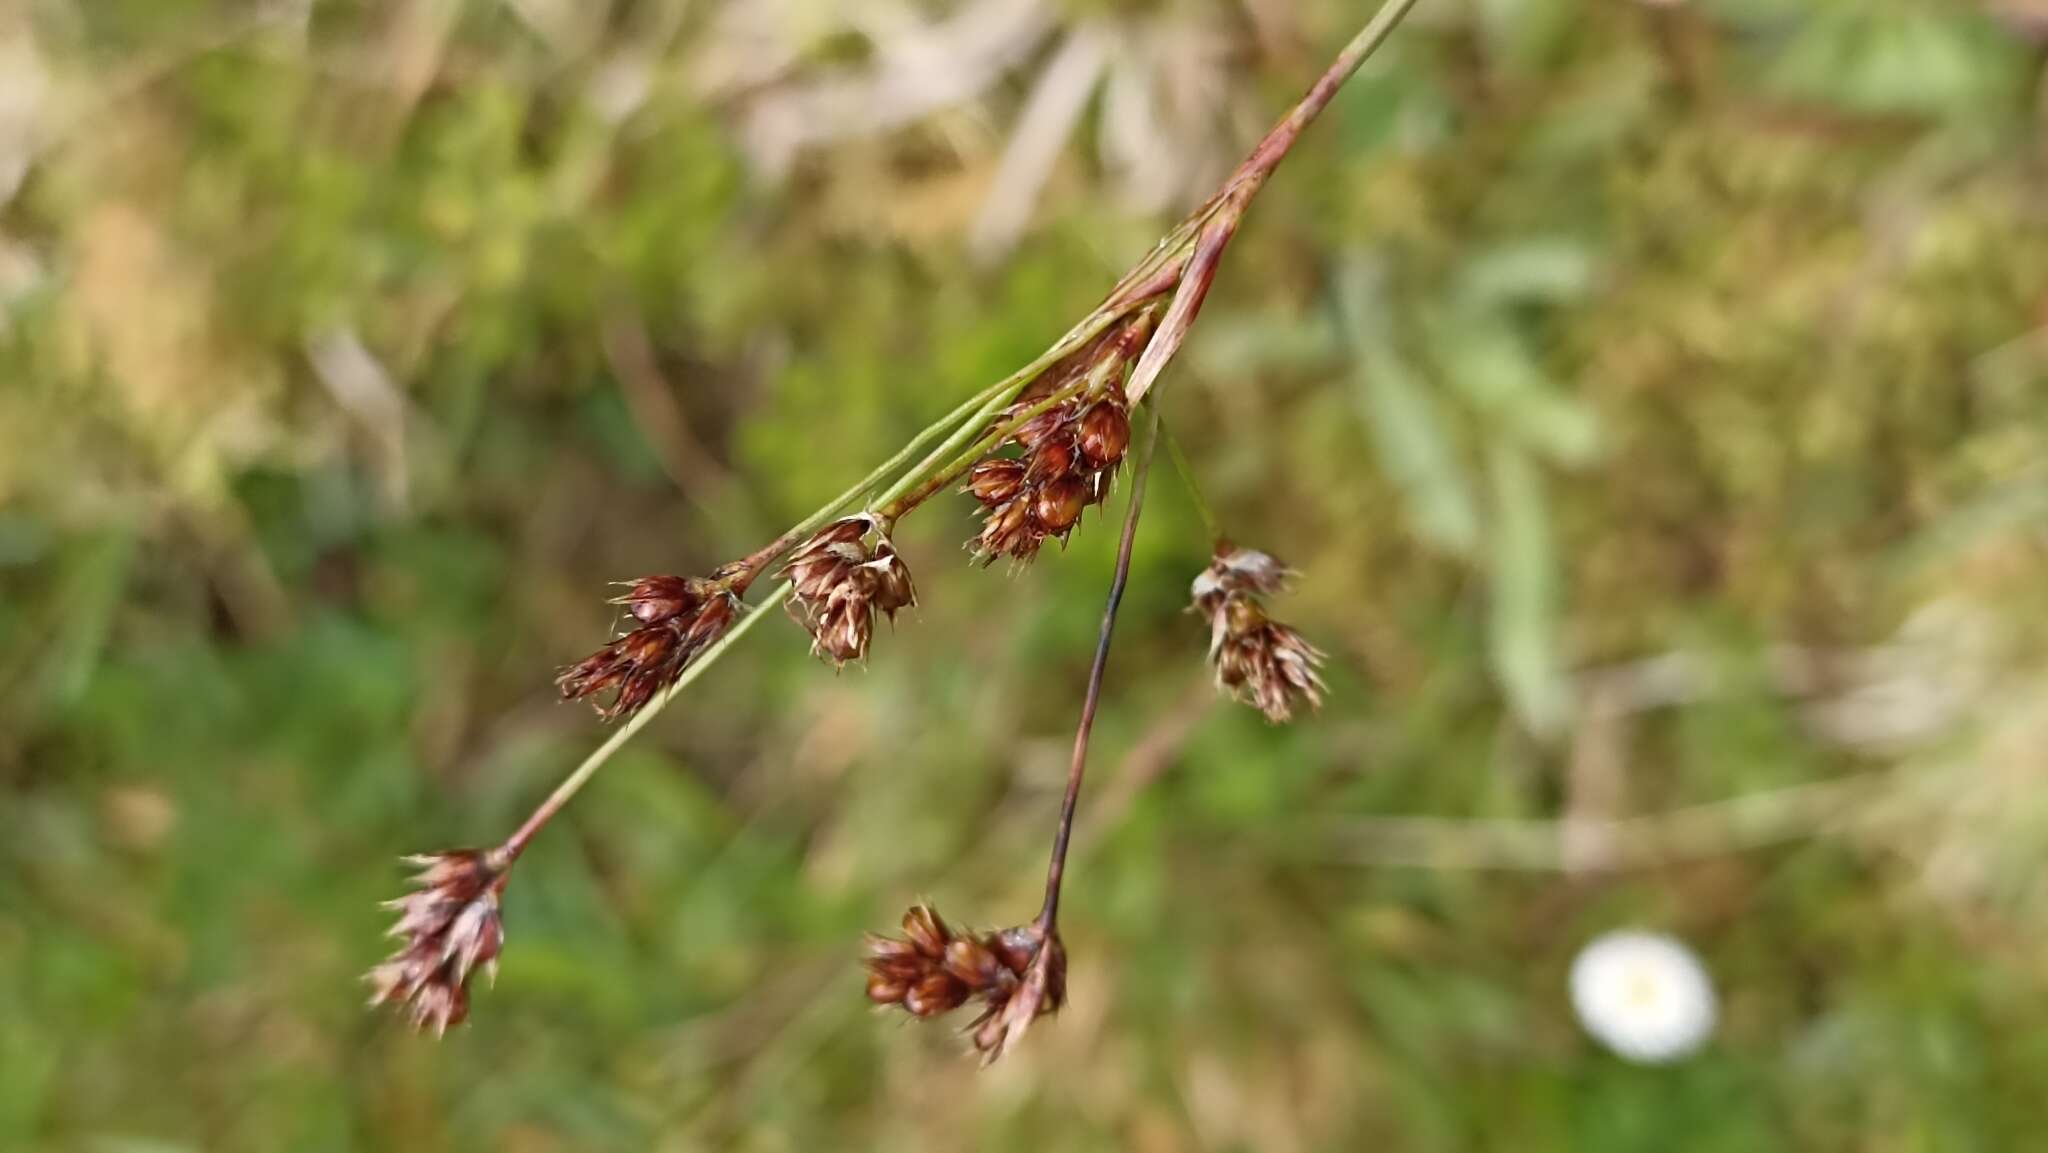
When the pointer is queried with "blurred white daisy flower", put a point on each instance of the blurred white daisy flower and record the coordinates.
(1644, 995)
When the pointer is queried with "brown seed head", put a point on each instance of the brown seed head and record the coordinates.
(678, 618)
(1258, 660)
(844, 575)
(934, 969)
(1039, 428)
(1072, 427)
(451, 928)
(1105, 433)
(1069, 452)
(893, 589)
(1051, 460)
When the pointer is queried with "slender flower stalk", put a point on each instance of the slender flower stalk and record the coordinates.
(453, 926)
(581, 774)
(934, 969)
(1188, 482)
(1077, 767)
(1070, 442)
(1045, 981)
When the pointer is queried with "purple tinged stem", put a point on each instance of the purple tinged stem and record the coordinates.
(1187, 300)
(1048, 916)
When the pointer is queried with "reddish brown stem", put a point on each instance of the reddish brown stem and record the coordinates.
(1160, 282)
(745, 570)
(1055, 872)
(1273, 149)
(566, 791)
(1218, 219)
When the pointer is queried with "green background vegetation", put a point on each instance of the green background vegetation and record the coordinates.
(1652, 394)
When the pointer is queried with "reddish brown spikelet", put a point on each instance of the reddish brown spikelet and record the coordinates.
(1105, 433)
(1009, 531)
(655, 599)
(935, 969)
(842, 578)
(1258, 660)
(995, 481)
(1060, 503)
(1067, 450)
(451, 928)
(677, 617)
(1070, 451)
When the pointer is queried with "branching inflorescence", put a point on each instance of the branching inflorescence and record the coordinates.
(1036, 449)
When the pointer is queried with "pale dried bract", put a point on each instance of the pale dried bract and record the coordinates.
(1258, 660)
(451, 928)
(1240, 570)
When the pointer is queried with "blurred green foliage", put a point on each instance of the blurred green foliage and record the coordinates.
(347, 350)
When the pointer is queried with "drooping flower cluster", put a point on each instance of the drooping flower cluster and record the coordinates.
(841, 578)
(451, 928)
(677, 618)
(1070, 450)
(1016, 974)
(1258, 660)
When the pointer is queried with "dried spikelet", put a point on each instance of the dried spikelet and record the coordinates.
(843, 576)
(678, 618)
(451, 928)
(1258, 660)
(1015, 974)
(1070, 452)
(1067, 454)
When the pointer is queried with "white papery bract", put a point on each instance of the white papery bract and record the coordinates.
(1644, 995)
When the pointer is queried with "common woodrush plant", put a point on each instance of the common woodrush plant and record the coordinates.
(1036, 450)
